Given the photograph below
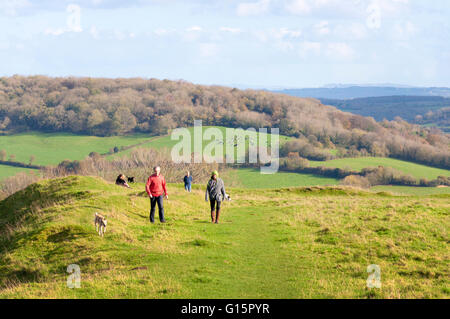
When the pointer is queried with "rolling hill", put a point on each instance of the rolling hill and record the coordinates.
(389, 107)
(416, 170)
(354, 92)
(53, 148)
(285, 243)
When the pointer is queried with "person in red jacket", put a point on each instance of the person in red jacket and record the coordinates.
(156, 189)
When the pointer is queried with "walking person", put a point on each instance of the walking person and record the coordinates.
(215, 190)
(156, 189)
(188, 182)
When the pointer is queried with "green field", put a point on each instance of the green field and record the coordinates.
(167, 142)
(288, 243)
(415, 170)
(7, 171)
(252, 178)
(52, 148)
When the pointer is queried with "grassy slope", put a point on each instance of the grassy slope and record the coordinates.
(166, 141)
(252, 178)
(416, 170)
(7, 171)
(53, 148)
(405, 190)
(291, 243)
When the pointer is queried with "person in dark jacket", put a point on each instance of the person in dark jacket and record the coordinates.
(121, 181)
(215, 191)
(188, 182)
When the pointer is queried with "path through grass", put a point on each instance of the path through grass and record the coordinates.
(285, 243)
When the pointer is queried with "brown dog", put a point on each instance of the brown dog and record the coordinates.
(100, 224)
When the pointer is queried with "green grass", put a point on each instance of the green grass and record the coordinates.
(253, 179)
(52, 148)
(415, 170)
(8, 171)
(406, 190)
(285, 243)
(167, 142)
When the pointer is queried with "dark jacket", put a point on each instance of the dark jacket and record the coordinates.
(121, 182)
(187, 180)
(215, 190)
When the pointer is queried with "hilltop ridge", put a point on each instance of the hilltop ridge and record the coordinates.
(49, 225)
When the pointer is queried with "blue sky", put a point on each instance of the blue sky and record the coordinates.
(264, 43)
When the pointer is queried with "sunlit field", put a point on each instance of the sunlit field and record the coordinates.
(290, 243)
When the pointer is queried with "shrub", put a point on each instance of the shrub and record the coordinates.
(356, 181)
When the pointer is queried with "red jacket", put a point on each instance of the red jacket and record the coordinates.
(156, 185)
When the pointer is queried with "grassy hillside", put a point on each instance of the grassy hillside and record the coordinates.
(416, 170)
(166, 141)
(290, 243)
(52, 148)
(253, 179)
(406, 190)
(7, 171)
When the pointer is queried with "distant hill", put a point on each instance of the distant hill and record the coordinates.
(353, 92)
(389, 107)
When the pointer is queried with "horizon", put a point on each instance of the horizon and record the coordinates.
(248, 43)
(241, 86)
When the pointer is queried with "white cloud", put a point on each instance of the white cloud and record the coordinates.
(230, 30)
(94, 32)
(208, 50)
(193, 33)
(162, 32)
(11, 7)
(56, 32)
(253, 8)
(340, 50)
(74, 18)
(404, 30)
(284, 33)
(194, 29)
(322, 28)
(119, 35)
(73, 22)
(304, 7)
(379, 9)
(307, 48)
(298, 7)
(352, 31)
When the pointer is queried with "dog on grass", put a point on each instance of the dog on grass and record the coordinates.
(100, 224)
(130, 179)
